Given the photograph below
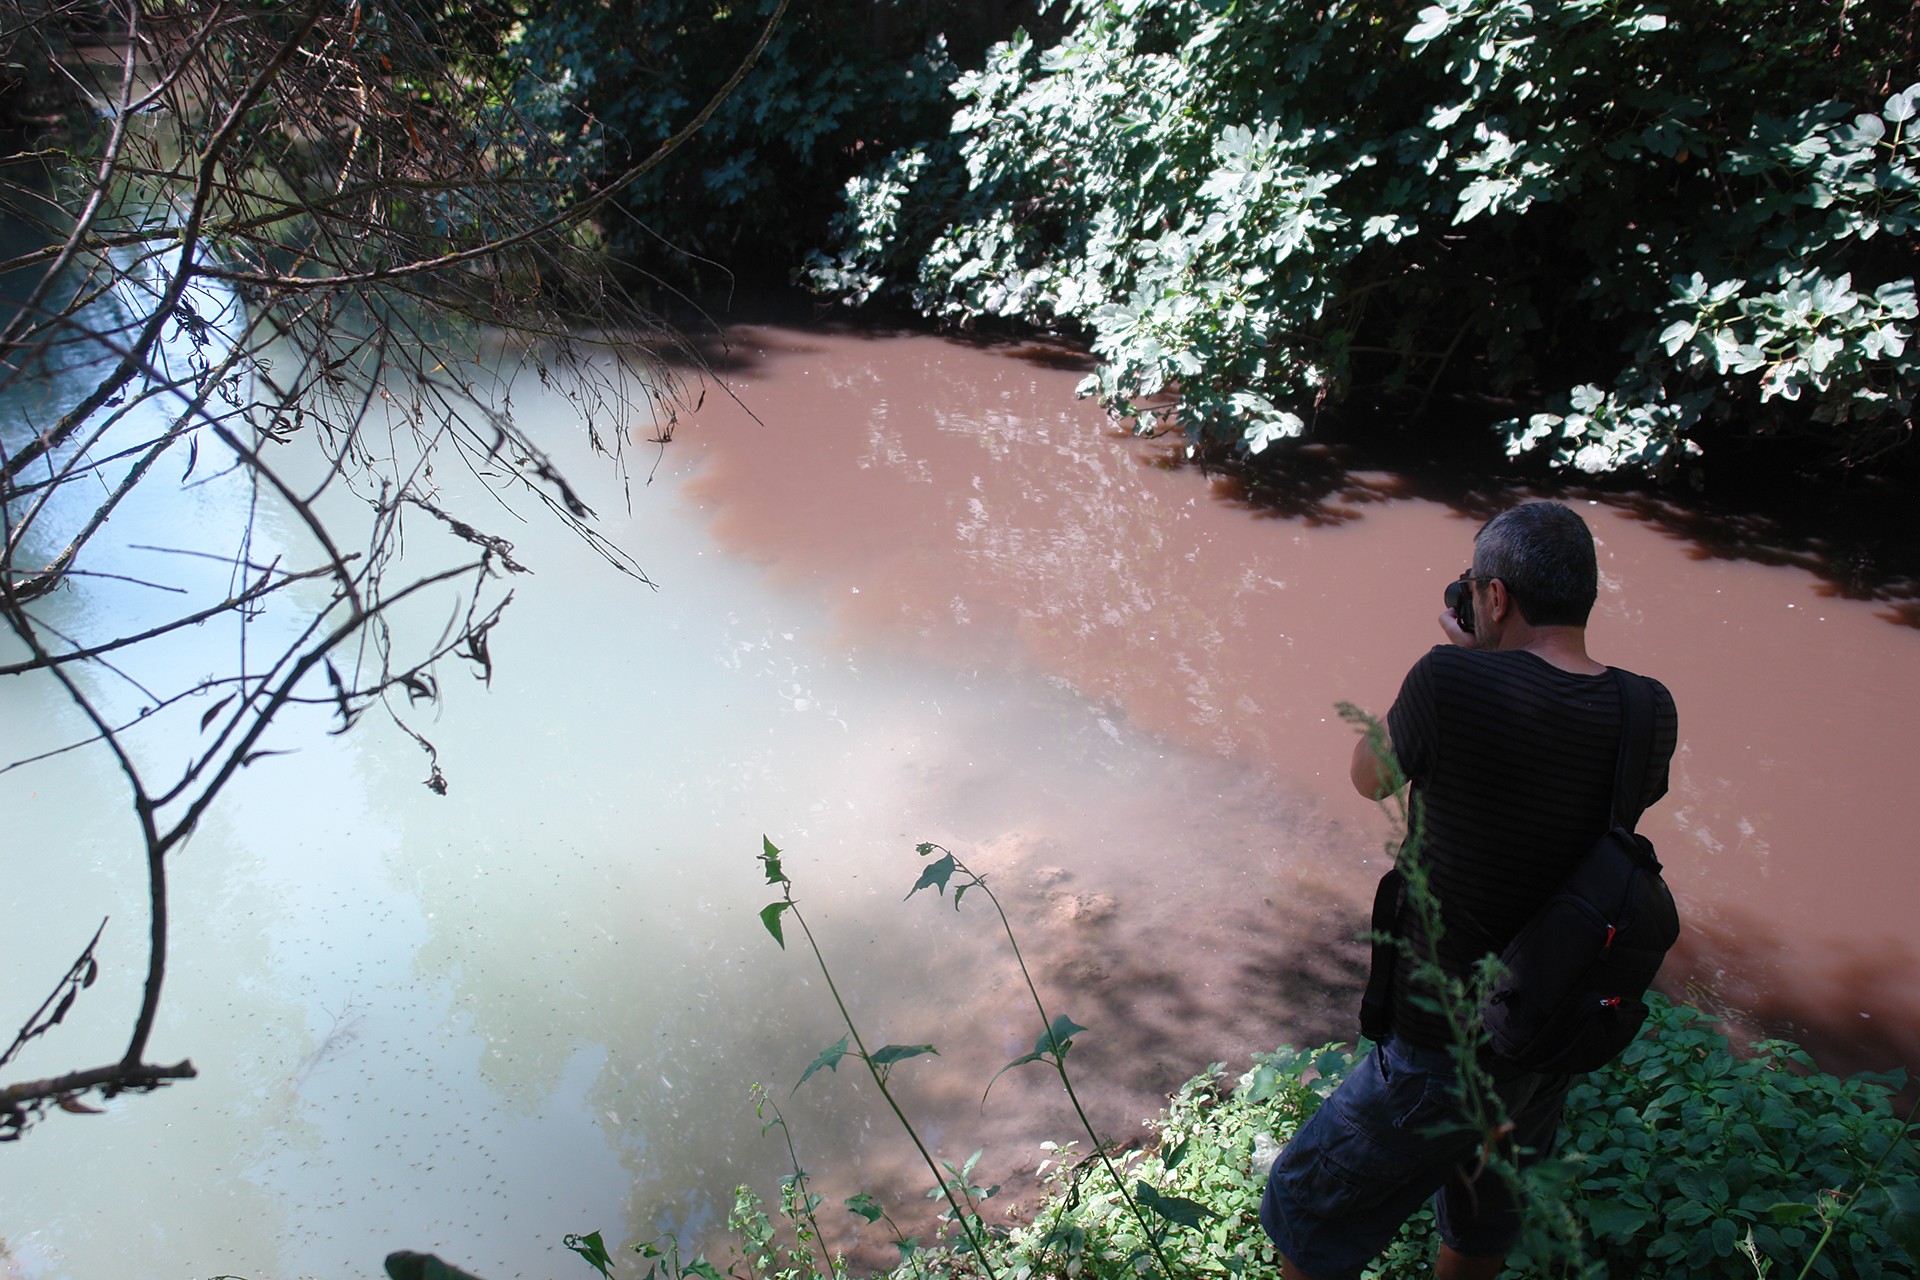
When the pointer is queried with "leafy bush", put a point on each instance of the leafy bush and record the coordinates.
(1648, 222)
(1676, 1160)
(1681, 1151)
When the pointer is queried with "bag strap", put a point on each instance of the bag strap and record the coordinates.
(1636, 744)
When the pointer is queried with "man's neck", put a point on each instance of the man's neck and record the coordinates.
(1562, 647)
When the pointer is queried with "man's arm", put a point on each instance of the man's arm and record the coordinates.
(1375, 777)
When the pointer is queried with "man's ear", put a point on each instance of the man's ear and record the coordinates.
(1499, 600)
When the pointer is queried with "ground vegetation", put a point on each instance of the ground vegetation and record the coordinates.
(1684, 1156)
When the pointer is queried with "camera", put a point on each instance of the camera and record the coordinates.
(1459, 598)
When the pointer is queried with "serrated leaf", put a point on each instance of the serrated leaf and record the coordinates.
(770, 917)
(888, 1054)
(829, 1058)
(866, 1206)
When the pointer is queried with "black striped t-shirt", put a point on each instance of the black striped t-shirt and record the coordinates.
(1512, 763)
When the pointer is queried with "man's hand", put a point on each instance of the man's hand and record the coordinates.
(1455, 635)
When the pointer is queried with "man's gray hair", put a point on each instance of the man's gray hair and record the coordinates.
(1543, 551)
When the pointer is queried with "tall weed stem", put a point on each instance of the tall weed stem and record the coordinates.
(878, 1067)
(1055, 1053)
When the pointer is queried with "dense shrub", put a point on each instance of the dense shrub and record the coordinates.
(1609, 228)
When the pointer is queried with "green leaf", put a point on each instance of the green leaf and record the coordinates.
(866, 1206)
(1052, 1043)
(908, 1246)
(770, 917)
(1021, 1061)
(1903, 1219)
(829, 1058)
(935, 874)
(1434, 22)
(1611, 1219)
(1790, 1211)
(1058, 1038)
(770, 856)
(589, 1246)
(1176, 1209)
(1173, 1158)
(888, 1054)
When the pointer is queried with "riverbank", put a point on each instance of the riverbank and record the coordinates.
(1682, 1157)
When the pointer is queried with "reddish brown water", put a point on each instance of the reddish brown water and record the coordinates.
(957, 503)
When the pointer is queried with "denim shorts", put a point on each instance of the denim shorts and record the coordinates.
(1364, 1161)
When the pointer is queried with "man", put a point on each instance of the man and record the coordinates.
(1509, 736)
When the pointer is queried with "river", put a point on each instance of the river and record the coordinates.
(908, 589)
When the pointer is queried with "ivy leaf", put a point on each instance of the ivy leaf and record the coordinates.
(770, 917)
(829, 1058)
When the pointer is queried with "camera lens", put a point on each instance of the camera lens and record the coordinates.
(1460, 599)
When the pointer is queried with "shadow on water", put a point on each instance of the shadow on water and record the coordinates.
(1860, 538)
